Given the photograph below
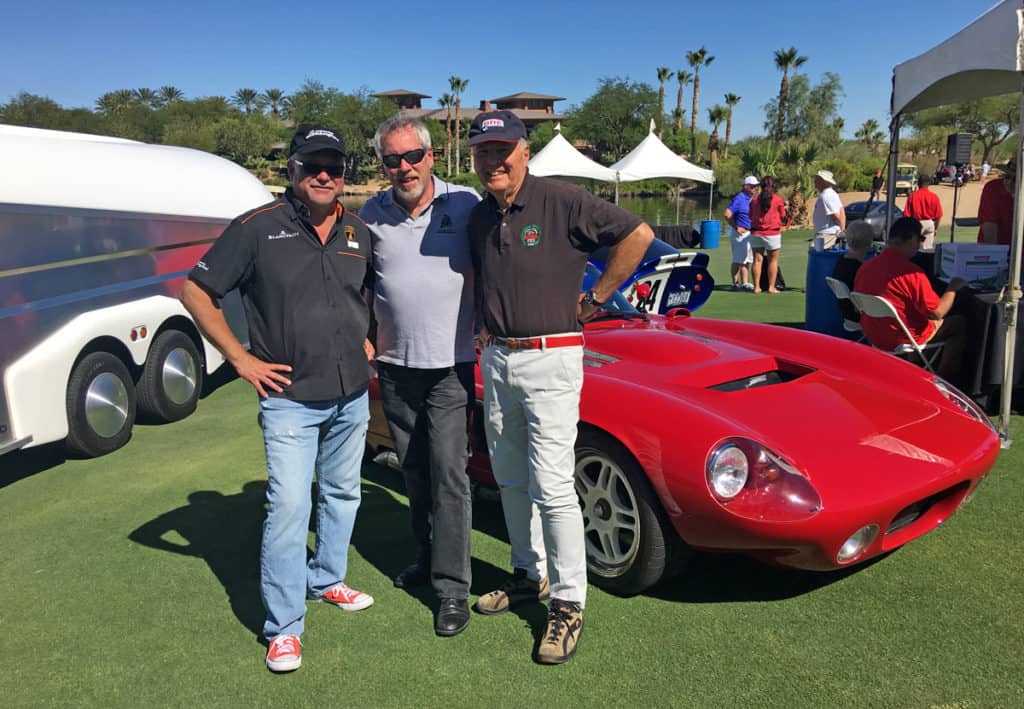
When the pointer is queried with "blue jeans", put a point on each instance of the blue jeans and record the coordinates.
(300, 437)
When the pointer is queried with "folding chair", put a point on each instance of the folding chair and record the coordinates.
(876, 306)
(842, 292)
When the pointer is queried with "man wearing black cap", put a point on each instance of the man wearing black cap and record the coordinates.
(530, 237)
(300, 264)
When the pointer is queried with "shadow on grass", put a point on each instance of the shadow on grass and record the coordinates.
(225, 532)
(384, 538)
(20, 464)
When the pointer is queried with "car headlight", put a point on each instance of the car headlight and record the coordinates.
(963, 402)
(750, 480)
(727, 471)
(857, 544)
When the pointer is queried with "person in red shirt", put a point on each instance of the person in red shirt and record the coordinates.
(995, 210)
(903, 283)
(924, 206)
(767, 214)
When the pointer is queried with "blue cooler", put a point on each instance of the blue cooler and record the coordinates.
(821, 309)
(710, 231)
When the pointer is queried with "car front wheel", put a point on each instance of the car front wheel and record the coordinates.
(629, 542)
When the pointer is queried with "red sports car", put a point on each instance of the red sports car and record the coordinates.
(794, 447)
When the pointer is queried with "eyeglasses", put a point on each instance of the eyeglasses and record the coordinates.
(413, 157)
(315, 169)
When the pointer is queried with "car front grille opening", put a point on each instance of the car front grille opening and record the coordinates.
(915, 511)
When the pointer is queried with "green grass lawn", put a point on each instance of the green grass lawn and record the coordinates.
(131, 580)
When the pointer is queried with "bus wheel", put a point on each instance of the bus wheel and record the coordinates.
(172, 378)
(100, 405)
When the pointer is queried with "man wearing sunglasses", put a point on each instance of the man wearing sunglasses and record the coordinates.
(530, 238)
(299, 263)
(423, 305)
(903, 283)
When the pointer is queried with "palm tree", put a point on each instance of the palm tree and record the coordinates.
(785, 59)
(697, 60)
(147, 97)
(716, 114)
(664, 74)
(447, 102)
(869, 133)
(677, 118)
(168, 95)
(683, 77)
(113, 103)
(246, 98)
(275, 99)
(800, 161)
(458, 86)
(730, 101)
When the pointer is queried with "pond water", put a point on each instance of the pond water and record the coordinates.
(653, 210)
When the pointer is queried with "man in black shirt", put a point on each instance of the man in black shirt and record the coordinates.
(529, 238)
(301, 264)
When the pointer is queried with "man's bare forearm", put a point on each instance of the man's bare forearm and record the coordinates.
(623, 259)
(211, 322)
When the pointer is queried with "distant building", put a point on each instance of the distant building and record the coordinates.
(531, 108)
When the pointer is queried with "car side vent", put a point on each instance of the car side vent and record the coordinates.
(757, 380)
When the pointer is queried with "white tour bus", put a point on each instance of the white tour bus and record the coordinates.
(96, 237)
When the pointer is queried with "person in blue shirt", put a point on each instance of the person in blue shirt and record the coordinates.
(737, 214)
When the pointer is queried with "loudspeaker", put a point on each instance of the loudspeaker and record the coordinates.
(958, 149)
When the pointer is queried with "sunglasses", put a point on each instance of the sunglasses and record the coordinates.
(413, 157)
(314, 169)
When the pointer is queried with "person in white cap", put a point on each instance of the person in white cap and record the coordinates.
(737, 214)
(829, 218)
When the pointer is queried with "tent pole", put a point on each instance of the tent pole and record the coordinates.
(1012, 293)
(616, 188)
(711, 194)
(890, 179)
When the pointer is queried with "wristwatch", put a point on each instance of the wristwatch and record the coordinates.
(590, 298)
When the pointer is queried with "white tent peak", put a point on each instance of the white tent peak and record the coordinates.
(558, 157)
(652, 158)
(558, 127)
(652, 126)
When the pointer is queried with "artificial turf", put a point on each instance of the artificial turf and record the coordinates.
(131, 580)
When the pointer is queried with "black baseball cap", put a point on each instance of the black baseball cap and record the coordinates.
(501, 126)
(309, 139)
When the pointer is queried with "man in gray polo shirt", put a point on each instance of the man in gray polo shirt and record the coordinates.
(423, 303)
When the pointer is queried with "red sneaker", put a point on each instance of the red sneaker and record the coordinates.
(284, 653)
(347, 599)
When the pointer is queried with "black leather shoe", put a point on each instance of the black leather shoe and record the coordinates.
(412, 576)
(452, 616)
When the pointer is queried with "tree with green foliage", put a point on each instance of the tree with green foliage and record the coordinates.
(113, 103)
(247, 99)
(447, 102)
(697, 60)
(169, 95)
(274, 98)
(716, 115)
(541, 136)
(147, 97)
(616, 117)
(245, 139)
(683, 77)
(664, 74)
(990, 121)
(785, 59)
(811, 113)
(312, 103)
(458, 85)
(870, 134)
(799, 160)
(760, 157)
(730, 100)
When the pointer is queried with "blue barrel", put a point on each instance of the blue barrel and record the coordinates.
(821, 309)
(710, 230)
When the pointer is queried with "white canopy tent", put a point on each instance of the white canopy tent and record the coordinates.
(652, 159)
(558, 157)
(986, 58)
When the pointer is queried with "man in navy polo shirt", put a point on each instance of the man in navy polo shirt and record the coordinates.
(300, 264)
(530, 237)
(423, 303)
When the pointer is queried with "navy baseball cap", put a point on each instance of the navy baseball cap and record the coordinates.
(310, 139)
(500, 126)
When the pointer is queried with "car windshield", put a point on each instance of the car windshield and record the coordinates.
(617, 305)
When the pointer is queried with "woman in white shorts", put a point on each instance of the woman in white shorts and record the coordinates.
(767, 215)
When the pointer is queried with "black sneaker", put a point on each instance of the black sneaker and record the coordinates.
(562, 634)
(417, 574)
(517, 589)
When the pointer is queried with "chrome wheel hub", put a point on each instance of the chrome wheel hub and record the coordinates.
(106, 405)
(179, 376)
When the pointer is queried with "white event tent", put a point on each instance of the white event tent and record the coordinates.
(986, 58)
(558, 157)
(652, 159)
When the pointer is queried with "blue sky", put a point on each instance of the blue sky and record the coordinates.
(75, 51)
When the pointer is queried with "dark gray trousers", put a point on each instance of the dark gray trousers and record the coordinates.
(428, 415)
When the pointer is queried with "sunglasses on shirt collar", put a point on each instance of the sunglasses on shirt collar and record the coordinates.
(394, 160)
(314, 169)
